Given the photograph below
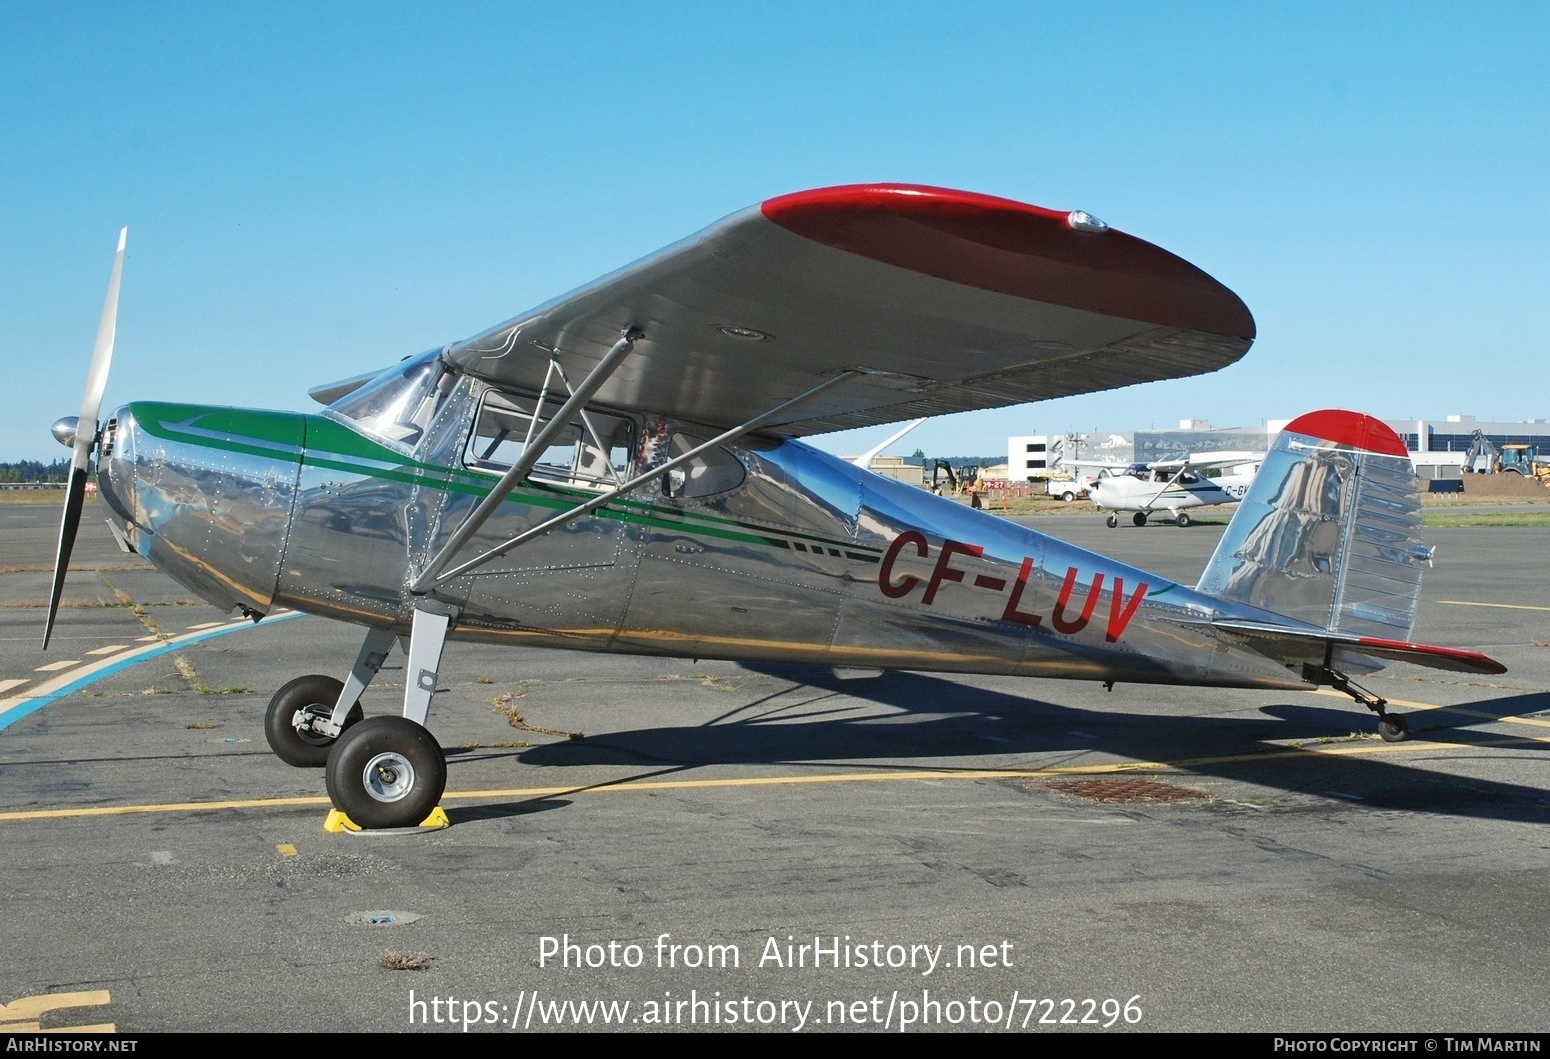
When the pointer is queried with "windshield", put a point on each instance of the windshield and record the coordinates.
(400, 403)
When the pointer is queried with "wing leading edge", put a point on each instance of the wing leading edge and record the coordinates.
(942, 301)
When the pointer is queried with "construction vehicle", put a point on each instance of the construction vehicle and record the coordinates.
(1524, 460)
(938, 469)
(1482, 457)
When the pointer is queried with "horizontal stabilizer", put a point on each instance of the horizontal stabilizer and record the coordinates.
(1297, 646)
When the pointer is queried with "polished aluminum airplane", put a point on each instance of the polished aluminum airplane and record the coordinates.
(1173, 486)
(621, 469)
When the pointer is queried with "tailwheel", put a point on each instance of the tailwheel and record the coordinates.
(295, 718)
(1391, 726)
(1112, 521)
(1139, 518)
(386, 772)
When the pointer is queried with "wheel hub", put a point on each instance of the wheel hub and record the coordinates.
(388, 777)
(309, 721)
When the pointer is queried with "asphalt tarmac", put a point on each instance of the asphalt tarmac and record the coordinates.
(649, 844)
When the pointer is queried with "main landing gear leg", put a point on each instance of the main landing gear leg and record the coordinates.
(390, 772)
(306, 715)
(368, 663)
(1391, 726)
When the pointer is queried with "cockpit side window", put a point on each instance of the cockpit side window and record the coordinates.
(592, 452)
(715, 471)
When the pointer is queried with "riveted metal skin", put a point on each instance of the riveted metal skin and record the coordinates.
(781, 553)
(206, 494)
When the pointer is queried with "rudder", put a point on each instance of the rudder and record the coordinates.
(1329, 533)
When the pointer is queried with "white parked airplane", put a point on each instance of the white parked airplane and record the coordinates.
(1171, 486)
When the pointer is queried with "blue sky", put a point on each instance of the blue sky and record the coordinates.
(316, 190)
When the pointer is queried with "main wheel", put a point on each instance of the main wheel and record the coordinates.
(1393, 728)
(386, 772)
(1112, 521)
(314, 696)
(1139, 518)
(1182, 519)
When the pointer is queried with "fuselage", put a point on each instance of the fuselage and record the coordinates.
(765, 550)
(1161, 491)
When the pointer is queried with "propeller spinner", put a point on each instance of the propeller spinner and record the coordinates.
(82, 434)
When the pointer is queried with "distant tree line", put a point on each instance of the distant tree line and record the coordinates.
(35, 471)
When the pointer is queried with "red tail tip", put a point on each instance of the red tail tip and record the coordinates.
(1354, 429)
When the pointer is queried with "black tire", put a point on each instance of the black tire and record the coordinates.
(1139, 518)
(1183, 519)
(1068, 496)
(316, 694)
(1112, 521)
(1393, 728)
(386, 772)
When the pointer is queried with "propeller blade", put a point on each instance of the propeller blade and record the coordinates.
(101, 359)
(75, 497)
(86, 430)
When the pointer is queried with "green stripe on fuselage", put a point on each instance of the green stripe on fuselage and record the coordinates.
(330, 445)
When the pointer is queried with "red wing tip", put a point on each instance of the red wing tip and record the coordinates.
(1013, 248)
(1354, 429)
(1480, 663)
(900, 198)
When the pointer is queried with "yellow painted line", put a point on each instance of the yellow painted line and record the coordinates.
(165, 807)
(148, 639)
(1537, 722)
(109, 649)
(837, 777)
(286, 849)
(1334, 749)
(30, 1007)
(7, 685)
(603, 788)
(1502, 606)
(206, 625)
(1063, 772)
(1413, 744)
(1331, 693)
(52, 666)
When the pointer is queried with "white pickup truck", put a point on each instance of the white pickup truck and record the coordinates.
(1067, 489)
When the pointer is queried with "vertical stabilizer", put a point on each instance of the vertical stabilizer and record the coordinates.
(1329, 532)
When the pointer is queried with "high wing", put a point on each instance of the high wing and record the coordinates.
(941, 301)
(1206, 461)
(1102, 465)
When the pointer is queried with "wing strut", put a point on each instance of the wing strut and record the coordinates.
(528, 460)
(432, 578)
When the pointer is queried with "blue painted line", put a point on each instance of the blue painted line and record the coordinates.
(27, 706)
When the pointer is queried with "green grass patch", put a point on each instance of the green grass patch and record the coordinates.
(38, 497)
(1485, 518)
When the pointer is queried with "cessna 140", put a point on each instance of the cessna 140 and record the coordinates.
(620, 470)
(1170, 485)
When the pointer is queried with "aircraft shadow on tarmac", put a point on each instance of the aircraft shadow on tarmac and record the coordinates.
(954, 721)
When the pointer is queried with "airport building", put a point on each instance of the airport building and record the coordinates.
(1437, 446)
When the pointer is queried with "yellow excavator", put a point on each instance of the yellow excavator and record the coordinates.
(1483, 457)
(1525, 460)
